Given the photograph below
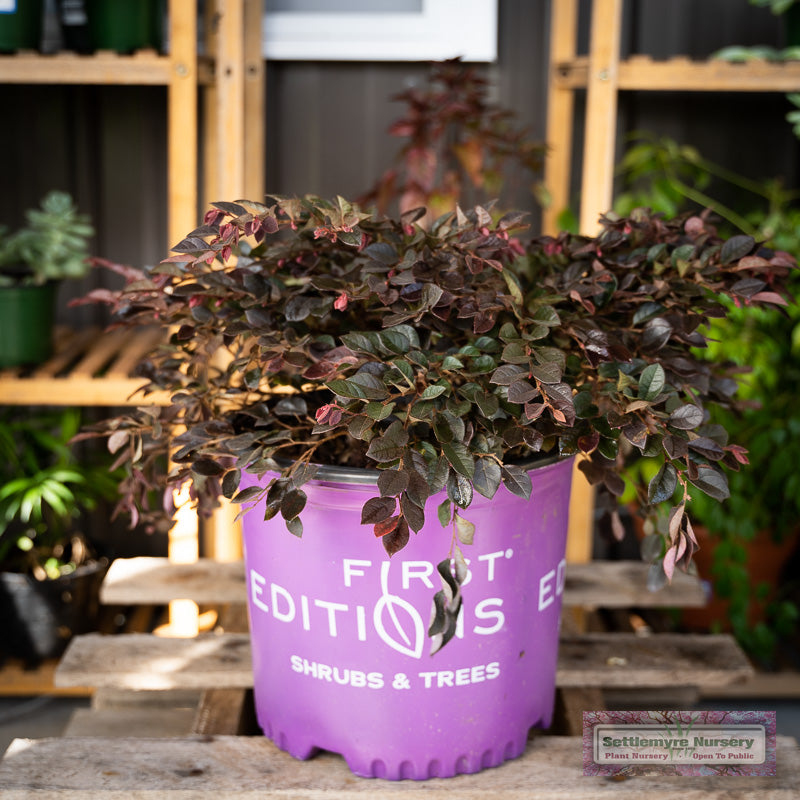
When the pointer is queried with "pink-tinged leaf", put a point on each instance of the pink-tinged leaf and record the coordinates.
(117, 440)
(617, 528)
(739, 453)
(386, 526)
(769, 297)
(681, 547)
(669, 562)
(690, 533)
(340, 303)
(675, 518)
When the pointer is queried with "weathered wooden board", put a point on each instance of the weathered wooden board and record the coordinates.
(236, 767)
(142, 661)
(662, 659)
(146, 662)
(598, 584)
(158, 580)
(623, 584)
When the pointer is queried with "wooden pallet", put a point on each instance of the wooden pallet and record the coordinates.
(138, 661)
(88, 368)
(598, 584)
(238, 767)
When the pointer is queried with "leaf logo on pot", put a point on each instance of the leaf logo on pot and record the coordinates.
(387, 605)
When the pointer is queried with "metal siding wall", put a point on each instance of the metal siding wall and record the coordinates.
(327, 122)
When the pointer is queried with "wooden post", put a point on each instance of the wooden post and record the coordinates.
(601, 113)
(596, 197)
(182, 204)
(235, 167)
(182, 121)
(560, 112)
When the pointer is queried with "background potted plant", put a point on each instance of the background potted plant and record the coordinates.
(309, 334)
(53, 246)
(49, 575)
(458, 148)
(749, 538)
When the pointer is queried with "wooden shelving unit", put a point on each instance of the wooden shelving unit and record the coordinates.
(93, 370)
(602, 74)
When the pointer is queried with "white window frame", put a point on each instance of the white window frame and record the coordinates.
(442, 29)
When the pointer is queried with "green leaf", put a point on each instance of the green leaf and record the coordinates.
(662, 486)
(444, 513)
(487, 477)
(378, 411)
(651, 382)
(452, 363)
(432, 391)
(459, 457)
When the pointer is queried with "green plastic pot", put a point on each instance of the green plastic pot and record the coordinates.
(27, 315)
(21, 28)
(125, 25)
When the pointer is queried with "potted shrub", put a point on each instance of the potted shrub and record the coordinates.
(407, 401)
(49, 575)
(53, 246)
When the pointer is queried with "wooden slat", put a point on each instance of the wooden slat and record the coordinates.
(145, 68)
(69, 346)
(142, 661)
(78, 392)
(140, 344)
(145, 662)
(17, 681)
(102, 351)
(629, 660)
(641, 73)
(598, 584)
(623, 584)
(158, 580)
(236, 767)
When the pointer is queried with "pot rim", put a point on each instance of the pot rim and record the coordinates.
(328, 473)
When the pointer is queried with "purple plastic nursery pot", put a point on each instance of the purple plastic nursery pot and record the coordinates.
(339, 631)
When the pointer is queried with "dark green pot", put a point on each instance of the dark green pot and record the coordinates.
(125, 25)
(21, 29)
(27, 315)
(791, 26)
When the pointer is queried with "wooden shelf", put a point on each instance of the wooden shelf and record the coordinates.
(144, 68)
(89, 368)
(681, 74)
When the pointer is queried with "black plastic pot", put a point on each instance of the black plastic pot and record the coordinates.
(40, 617)
(27, 315)
(125, 25)
(21, 28)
